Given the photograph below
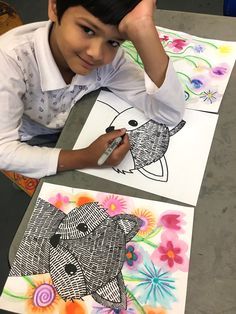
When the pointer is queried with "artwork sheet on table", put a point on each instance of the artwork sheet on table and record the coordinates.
(108, 253)
(166, 162)
(203, 66)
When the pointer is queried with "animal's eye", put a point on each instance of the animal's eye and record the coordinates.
(70, 269)
(83, 227)
(133, 122)
(54, 240)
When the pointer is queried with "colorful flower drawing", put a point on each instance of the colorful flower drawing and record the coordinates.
(190, 54)
(219, 71)
(74, 307)
(172, 220)
(178, 44)
(209, 96)
(171, 254)
(115, 204)
(153, 268)
(133, 256)
(60, 201)
(151, 310)
(82, 198)
(148, 221)
(131, 309)
(40, 297)
(153, 286)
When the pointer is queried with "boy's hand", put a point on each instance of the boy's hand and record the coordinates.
(141, 14)
(94, 151)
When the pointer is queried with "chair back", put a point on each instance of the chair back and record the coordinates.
(8, 18)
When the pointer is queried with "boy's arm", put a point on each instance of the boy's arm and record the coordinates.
(139, 27)
(88, 157)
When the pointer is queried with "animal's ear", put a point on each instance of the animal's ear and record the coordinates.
(66, 273)
(32, 256)
(112, 294)
(44, 221)
(130, 224)
(177, 127)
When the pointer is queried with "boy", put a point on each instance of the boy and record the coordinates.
(47, 67)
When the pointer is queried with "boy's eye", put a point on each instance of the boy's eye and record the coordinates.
(88, 30)
(114, 43)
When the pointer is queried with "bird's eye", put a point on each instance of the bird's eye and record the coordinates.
(83, 227)
(70, 269)
(133, 122)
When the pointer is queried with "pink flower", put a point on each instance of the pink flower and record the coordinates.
(178, 44)
(172, 220)
(59, 201)
(164, 38)
(171, 254)
(219, 71)
(115, 204)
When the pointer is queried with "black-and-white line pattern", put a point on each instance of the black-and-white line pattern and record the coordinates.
(149, 141)
(83, 251)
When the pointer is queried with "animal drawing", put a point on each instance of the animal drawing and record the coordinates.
(83, 251)
(149, 141)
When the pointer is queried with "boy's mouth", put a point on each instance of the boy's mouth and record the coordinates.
(87, 64)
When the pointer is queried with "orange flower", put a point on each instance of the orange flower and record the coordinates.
(148, 221)
(74, 307)
(151, 310)
(82, 199)
(43, 296)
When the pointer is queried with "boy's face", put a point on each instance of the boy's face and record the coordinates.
(81, 42)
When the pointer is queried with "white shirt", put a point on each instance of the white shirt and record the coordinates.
(34, 98)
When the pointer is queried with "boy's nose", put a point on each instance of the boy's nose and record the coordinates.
(95, 51)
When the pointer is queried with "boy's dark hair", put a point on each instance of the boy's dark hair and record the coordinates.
(108, 11)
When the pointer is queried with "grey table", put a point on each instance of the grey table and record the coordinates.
(212, 276)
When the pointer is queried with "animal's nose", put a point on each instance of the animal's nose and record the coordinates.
(110, 128)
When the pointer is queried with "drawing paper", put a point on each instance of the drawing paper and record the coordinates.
(105, 248)
(163, 161)
(203, 66)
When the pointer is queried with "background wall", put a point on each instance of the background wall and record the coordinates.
(31, 11)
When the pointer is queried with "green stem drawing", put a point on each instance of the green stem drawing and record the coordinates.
(181, 73)
(199, 58)
(12, 295)
(192, 91)
(29, 281)
(137, 304)
(183, 57)
(141, 239)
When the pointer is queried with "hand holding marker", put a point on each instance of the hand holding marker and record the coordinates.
(114, 144)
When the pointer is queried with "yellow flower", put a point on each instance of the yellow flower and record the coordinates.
(225, 49)
(148, 221)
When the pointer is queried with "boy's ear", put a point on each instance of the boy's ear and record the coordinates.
(52, 10)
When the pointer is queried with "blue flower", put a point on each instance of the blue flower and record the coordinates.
(130, 255)
(196, 83)
(154, 287)
(198, 48)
